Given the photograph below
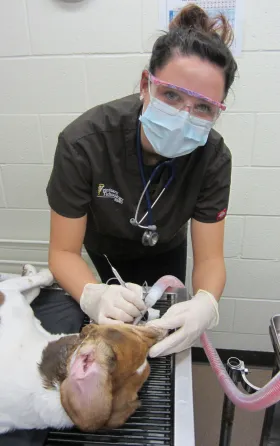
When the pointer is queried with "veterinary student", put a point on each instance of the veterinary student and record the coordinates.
(128, 175)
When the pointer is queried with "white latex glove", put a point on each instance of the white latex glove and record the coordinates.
(191, 318)
(112, 304)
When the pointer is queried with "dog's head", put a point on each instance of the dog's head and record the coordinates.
(95, 365)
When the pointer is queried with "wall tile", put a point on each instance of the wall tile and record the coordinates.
(254, 317)
(227, 311)
(239, 341)
(20, 140)
(51, 126)
(2, 198)
(14, 32)
(260, 238)
(42, 85)
(257, 86)
(233, 236)
(262, 30)
(238, 133)
(25, 185)
(151, 30)
(24, 255)
(255, 191)
(99, 26)
(121, 75)
(20, 224)
(253, 279)
(266, 148)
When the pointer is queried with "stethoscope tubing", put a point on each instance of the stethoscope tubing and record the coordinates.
(146, 186)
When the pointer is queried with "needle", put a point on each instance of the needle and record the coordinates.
(116, 274)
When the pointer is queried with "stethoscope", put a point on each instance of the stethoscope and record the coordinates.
(150, 236)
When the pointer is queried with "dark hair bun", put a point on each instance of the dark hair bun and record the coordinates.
(192, 16)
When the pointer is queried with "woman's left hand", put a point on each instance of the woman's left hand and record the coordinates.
(191, 318)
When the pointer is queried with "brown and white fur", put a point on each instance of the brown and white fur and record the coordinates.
(88, 379)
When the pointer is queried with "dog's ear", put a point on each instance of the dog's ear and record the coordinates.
(87, 401)
(86, 392)
(149, 334)
(125, 400)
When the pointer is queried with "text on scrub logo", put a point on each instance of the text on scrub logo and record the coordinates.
(222, 214)
(100, 187)
(104, 192)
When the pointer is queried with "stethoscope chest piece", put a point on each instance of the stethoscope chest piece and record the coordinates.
(150, 238)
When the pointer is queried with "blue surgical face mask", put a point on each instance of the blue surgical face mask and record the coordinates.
(173, 135)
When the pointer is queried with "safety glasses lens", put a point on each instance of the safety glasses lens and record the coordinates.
(180, 101)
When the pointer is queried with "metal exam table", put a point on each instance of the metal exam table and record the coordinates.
(166, 415)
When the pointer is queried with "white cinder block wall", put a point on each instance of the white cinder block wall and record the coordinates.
(59, 58)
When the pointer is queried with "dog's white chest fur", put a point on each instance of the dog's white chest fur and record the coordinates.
(24, 402)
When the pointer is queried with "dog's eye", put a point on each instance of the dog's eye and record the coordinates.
(112, 361)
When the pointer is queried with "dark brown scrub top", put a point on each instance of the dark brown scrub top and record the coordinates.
(96, 172)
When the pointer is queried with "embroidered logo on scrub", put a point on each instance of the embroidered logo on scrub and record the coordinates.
(104, 192)
(222, 214)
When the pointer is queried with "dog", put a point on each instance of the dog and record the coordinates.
(89, 379)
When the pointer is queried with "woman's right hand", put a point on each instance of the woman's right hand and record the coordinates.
(112, 304)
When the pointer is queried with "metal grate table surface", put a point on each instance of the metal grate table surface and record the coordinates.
(152, 423)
